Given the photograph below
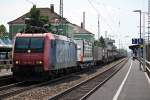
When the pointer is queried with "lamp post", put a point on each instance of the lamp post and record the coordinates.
(140, 19)
(141, 51)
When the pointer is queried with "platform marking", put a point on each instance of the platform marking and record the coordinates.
(122, 84)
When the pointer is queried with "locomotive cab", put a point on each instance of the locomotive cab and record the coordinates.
(28, 56)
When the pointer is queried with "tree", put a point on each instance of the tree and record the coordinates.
(35, 16)
(44, 20)
(97, 43)
(36, 19)
(102, 42)
(2, 30)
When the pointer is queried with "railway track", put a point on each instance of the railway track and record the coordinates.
(5, 77)
(16, 88)
(5, 80)
(82, 90)
(7, 90)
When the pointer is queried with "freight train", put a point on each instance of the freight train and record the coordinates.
(39, 56)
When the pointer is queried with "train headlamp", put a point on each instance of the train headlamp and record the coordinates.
(16, 62)
(29, 51)
(39, 62)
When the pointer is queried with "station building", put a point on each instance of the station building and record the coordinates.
(68, 29)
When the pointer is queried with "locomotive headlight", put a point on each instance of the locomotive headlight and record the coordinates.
(39, 62)
(16, 62)
(29, 51)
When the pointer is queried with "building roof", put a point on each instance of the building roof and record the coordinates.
(52, 16)
(78, 29)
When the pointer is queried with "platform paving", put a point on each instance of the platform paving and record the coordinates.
(129, 83)
(4, 72)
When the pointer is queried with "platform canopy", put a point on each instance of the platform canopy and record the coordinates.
(5, 44)
(5, 49)
(136, 46)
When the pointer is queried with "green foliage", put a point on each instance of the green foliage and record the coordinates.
(100, 42)
(34, 13)
(35, 19)
(35, 16)
(97, 43)
(44, 19)
(2, 30)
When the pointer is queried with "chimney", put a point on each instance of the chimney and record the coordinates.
(52, 8)
(83, 20)
(81, 24)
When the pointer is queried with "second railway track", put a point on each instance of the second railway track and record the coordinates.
(82, 90)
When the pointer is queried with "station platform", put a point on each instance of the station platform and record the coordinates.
(129, 83)
(5, 72)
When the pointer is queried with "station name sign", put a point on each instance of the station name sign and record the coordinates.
(137, 41)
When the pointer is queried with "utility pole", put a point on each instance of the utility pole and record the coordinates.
(119, 46)
(98, 27)
(83, 20)
(61, 15)
(148, 30)
(143, 24)
(141, 50)
(148, 19)
(61, 9)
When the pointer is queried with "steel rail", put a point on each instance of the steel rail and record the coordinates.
(5, 80)
(5, 77)
(16, 89)
(64, 93)
(100, 84)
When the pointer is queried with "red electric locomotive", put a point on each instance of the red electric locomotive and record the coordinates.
(37, 56)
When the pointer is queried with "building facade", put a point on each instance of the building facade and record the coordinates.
(64, 28)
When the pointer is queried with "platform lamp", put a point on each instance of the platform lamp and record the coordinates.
(140, 12)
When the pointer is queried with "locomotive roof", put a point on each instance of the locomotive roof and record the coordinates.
(30, 35)
(53, 36)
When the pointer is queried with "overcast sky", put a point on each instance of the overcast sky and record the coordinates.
(116, 16)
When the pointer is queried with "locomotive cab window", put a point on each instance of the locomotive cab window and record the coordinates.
(21, 44)
(35, 44)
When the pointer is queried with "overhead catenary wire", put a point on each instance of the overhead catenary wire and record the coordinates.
(30, 2)
(97, 11)
(112, 18)
(106, 8)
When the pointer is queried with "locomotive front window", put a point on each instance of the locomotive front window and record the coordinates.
(37, 44)
(21, 44)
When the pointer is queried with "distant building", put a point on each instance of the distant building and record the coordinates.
(80, 33)
(68, 29)
(110, 44)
